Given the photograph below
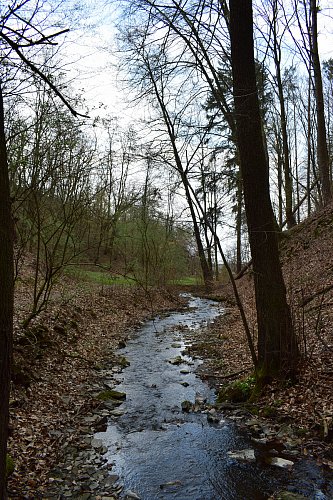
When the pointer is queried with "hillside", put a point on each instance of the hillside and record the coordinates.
(303, 409)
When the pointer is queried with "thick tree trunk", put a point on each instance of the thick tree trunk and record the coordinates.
(277, 348)
(322, 149)
(6, 300)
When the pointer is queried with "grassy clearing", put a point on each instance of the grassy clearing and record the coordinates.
(99, 277)
(105, 278)
(188, 280)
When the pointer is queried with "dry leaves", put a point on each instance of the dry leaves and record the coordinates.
(55, 365)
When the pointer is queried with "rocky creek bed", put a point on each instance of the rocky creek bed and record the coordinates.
(161, 434)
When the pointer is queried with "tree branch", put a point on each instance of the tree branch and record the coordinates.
(38, 72)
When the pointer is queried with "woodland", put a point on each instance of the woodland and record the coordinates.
(221, 184)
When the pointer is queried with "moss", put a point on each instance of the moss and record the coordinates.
(10, 466)
(111, 394)
(268, 411)
(187, 406)
(237, 392)
(123, 362)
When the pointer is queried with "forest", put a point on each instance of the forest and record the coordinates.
(210, 175)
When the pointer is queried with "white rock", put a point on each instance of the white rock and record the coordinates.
(248, 455)
(281, 462)
(131, 494)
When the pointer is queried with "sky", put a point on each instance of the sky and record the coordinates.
(93, 52)
(93, 49)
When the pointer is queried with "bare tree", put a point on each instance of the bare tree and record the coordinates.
(322, 149)
(7, 299)
(155, 76)
(277, 347)
(21, 31)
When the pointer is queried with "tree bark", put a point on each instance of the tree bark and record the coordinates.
(277, 347)
(288, 184)
(6, 300)
(322, 149)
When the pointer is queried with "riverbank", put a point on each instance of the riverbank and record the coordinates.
(56, 411)
(159, 430)
(300, 411)
(58, 367)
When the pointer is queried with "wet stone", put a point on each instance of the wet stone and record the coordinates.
(247, 455)
(132, 495)
(117, 412)
(213, 419)
(280, 462)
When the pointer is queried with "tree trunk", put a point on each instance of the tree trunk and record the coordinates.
(288, 184)
(239, 224)
(6, 302)
(206, 270)
(277, 348)
(322, 149)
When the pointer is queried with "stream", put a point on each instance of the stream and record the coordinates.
(161, 452)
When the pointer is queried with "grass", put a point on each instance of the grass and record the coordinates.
(189, 280)
(105, 278)
(99, 277)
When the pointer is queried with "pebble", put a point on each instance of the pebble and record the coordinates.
(131, 494)
(83, 473)
(247, 455)
(280, 462)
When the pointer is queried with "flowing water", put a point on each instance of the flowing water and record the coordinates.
(161, 452)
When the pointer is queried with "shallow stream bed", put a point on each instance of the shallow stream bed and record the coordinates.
(161, 452)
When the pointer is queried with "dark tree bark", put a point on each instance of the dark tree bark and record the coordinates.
(6, 300)
(288, 184)
(322, 149)
(277, 347)
(239, 224)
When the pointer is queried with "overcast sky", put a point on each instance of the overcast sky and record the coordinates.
(93, 52)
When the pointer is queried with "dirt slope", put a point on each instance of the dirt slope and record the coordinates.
(307, 405)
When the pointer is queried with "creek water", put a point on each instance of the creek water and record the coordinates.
(160, 452)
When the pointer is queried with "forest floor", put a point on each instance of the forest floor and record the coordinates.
(58, 358)
(57, 361)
